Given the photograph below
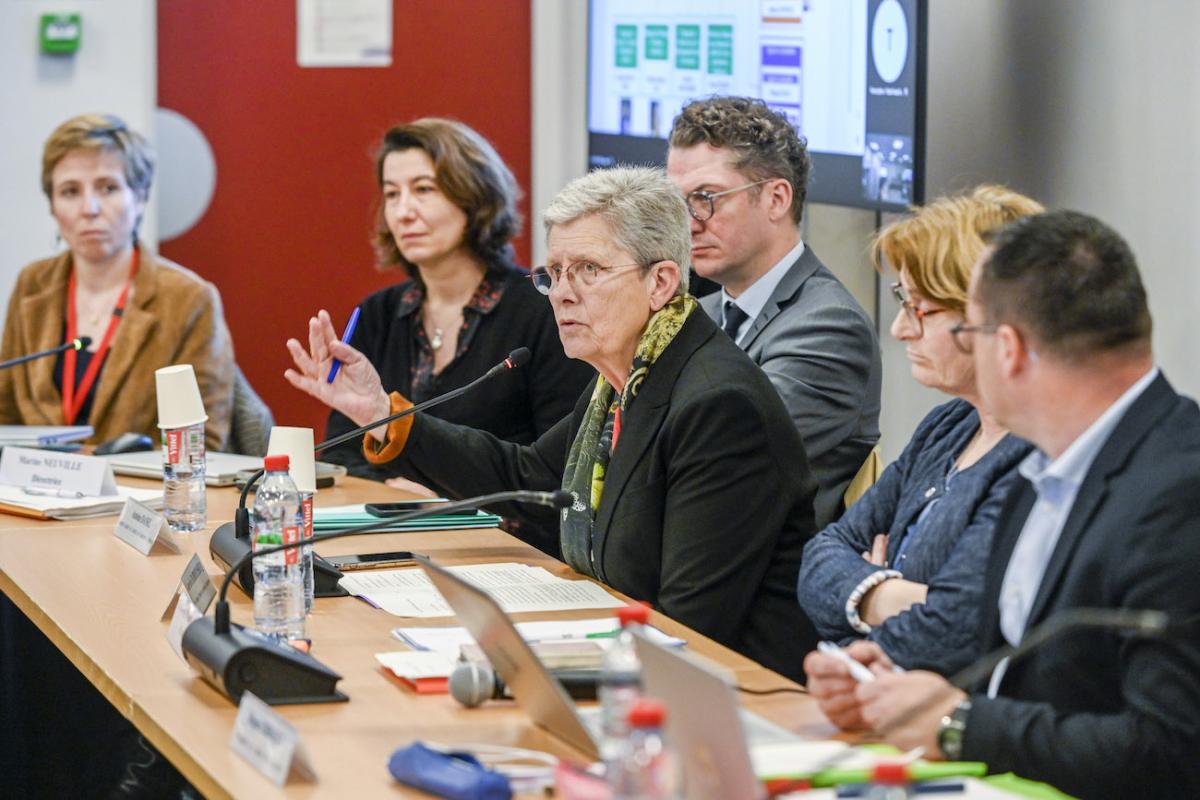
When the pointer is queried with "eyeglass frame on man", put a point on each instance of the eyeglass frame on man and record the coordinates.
(572, 270)
(961, 328)
(915, 315)
(711, 198)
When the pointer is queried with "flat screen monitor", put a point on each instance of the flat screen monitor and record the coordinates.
(849, 74)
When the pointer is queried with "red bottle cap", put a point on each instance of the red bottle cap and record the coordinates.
(633, 613)
(646, 713)
(891, 774)
(276, 463)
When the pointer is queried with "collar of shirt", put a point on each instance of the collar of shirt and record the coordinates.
(754, 298)
(1049, 478)
(487, 296)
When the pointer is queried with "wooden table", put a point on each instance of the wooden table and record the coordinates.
(100, 602)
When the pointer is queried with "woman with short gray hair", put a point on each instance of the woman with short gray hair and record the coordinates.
(691, 487)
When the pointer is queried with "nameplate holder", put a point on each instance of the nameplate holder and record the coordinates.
(198, 585)
(269, 742)
(57, 474)
(185, 613)
(144, 529)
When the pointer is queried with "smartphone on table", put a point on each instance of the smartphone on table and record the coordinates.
(404, 506)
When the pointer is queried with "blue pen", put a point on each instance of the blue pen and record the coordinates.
(346, 334)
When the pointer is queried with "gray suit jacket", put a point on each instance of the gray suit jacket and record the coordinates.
(818, 346)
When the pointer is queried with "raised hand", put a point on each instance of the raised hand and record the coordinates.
(356, 391)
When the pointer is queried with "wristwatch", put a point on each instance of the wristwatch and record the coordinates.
(950, 734)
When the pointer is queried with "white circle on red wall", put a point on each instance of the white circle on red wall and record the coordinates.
(186, 173)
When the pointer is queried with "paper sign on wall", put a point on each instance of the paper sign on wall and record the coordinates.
(269, 742)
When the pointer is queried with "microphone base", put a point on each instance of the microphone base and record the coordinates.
(226, 548)
(244, 660)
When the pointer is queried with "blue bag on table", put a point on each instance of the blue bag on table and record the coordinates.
(457, 776)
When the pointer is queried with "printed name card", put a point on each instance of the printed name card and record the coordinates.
(57, 474)
(143, 529)
(185, 614)
(189, 603)
(269, 742)
(198, 585)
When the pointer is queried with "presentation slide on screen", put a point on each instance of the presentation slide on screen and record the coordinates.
(840, 70)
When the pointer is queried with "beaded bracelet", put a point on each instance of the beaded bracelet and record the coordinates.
(868, 583)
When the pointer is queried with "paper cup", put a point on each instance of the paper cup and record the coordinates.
(179, 403)
(297, 445)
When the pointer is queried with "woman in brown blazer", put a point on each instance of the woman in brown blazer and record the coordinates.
(141, 312)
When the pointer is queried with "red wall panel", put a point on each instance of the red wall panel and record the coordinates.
(289, 227)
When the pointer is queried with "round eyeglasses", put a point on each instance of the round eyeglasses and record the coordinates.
(915, 315)
(580, 272)
(702, 205)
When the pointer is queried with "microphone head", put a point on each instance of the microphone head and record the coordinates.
(561, 499)
(472, 682)
(519, 357)
(83, 342)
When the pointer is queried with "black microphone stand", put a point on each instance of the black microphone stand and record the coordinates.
(231, 541)
(74, 344)
(234, 659)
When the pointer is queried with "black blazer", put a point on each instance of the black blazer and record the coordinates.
(707, 504)
(1099, 714)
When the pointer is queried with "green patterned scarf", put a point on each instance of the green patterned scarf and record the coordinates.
(587, 461)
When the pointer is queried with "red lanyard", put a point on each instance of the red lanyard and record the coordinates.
(71, 400)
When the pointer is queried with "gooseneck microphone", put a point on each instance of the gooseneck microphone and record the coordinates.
(473, 682)
(234, 659)
(81, 343)
(231, 541)
(516, 359)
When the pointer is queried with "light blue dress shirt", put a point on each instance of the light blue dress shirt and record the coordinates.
(1056, 484)
(754, 298)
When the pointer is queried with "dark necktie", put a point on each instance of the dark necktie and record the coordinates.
(734, 317)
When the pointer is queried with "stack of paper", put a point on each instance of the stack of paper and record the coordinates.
(334, 518)
(426, 673)
(15, 500)
(516, 587)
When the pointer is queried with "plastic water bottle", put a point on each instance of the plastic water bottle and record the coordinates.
(306, 552)
(278, 581)
(184, 503)
(620, 686)
(648, 769)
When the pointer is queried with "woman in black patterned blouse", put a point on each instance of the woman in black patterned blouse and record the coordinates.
(447, 215)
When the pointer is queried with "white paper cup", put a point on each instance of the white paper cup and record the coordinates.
(297, 445)
(179, 403)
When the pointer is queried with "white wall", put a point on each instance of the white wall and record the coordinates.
(559, 93)
(114, 71)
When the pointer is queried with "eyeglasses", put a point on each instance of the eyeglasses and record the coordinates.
(915, 315)
(960, 331)
(702, 205)
(584, 272)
